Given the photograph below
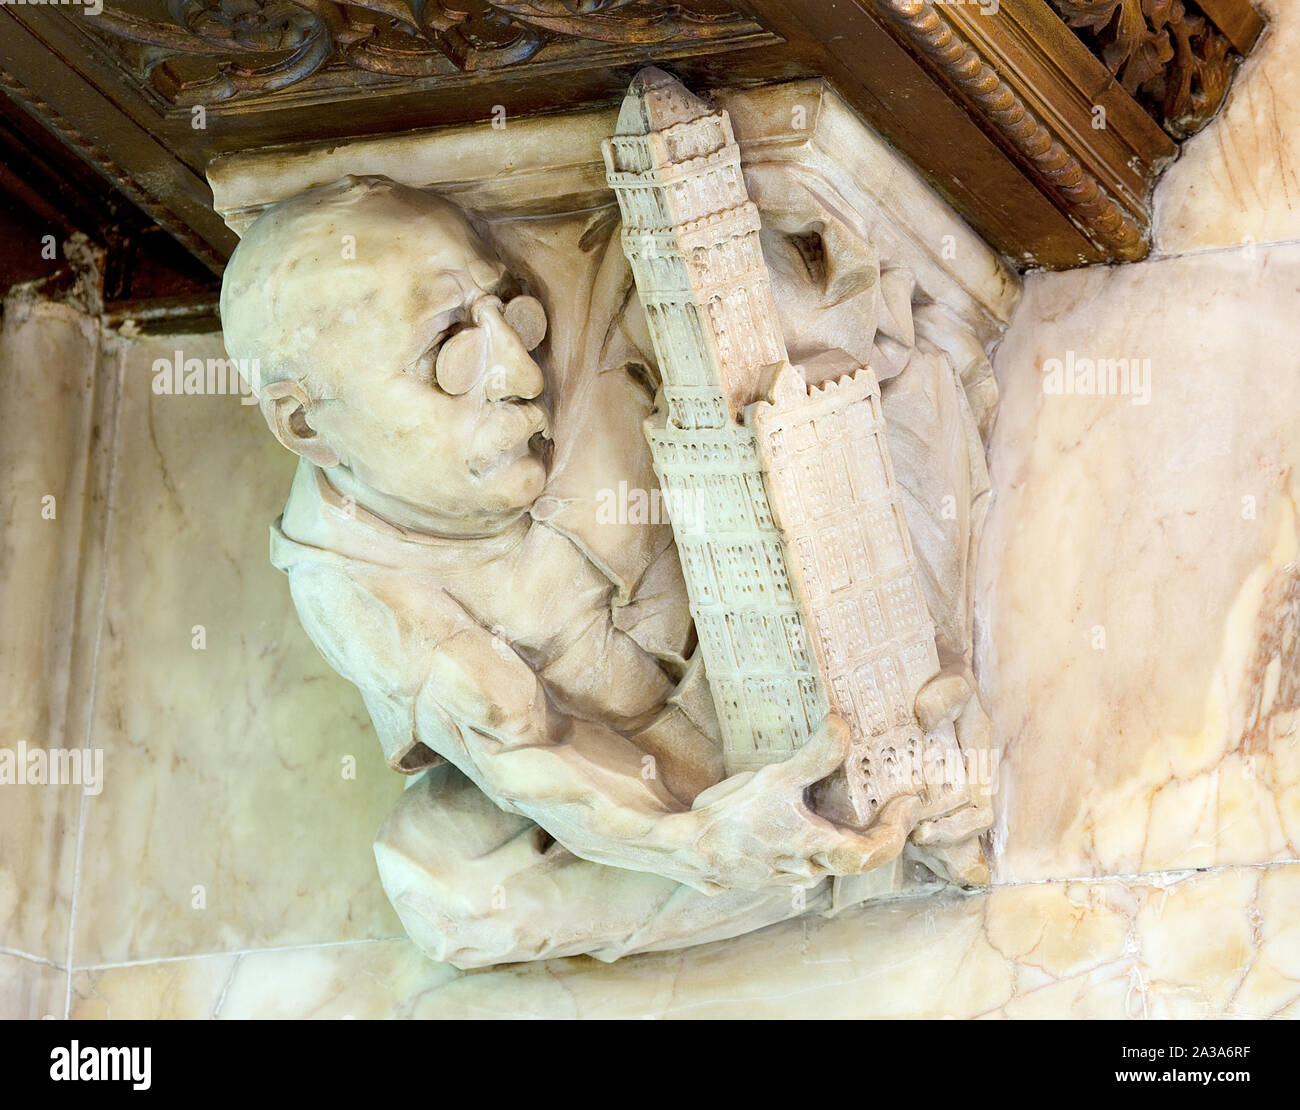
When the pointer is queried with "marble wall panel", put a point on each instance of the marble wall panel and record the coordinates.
(243, 781)
(31, 989)
(1139, 576)
(48, 360)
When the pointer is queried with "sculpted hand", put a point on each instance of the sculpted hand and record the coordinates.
(949, 699)
(756, 830)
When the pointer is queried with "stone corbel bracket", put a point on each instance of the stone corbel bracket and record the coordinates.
(551, 165)
(941, 286)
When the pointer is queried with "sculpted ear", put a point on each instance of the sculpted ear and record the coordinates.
(285, 405)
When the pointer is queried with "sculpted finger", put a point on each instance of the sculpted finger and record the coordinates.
(900, 813)
(823, 753)
(974, 727)
(955, 827)
(795, 866)
(942, 698)
(885, 839)
(722, 790)
(852, 853)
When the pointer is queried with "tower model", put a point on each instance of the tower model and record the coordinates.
(796, 554)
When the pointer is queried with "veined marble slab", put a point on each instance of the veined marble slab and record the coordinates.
(31, 989)
(242, 783)
(1139, 596)
(48, 359)
(1222, 944)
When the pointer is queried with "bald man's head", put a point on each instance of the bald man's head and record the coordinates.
(388, 342)
(341, 270)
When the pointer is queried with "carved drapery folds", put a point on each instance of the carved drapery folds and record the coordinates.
(248, 47)
(1166, 53)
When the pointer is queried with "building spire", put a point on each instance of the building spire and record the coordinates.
(691, 234)
(656, 101)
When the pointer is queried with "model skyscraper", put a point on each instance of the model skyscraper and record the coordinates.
(797, 556)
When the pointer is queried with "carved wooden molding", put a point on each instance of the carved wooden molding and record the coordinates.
(1170, 55)
(219, 50)
(1093, 208)
(94, 155)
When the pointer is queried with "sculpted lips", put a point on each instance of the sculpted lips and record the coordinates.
(512, 430)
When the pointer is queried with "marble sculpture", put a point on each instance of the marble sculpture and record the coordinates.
(639, 737)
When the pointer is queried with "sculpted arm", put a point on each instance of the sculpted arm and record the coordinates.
(582, 782)
(426, 665)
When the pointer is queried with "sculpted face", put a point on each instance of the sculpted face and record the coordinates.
(447, 418)
(410, 343)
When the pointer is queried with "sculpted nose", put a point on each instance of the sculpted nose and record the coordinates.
(511, 369)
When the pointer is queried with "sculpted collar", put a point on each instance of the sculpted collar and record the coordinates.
(319, 519)
(353, 510)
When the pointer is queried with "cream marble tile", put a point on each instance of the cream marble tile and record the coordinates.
(226, 767)
(1139, 576)
(1200, 945)
(359, 979)
(48, 356)
(1050, 950)
(387, 979)
(31, 989)
(172, 989)
(1238, 181)
(1269, 984)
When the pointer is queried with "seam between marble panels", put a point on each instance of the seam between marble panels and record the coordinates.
(1157, 256)
(1145, 878)
(109, 504)
(19, 954)
(237, 953)
(225, 988)
(1222, 248)
(1176, 874)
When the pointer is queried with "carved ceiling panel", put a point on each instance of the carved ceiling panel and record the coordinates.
(994, 101)
(1168, 54)
(212, 51)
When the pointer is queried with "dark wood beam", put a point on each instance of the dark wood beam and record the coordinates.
(998, 110)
